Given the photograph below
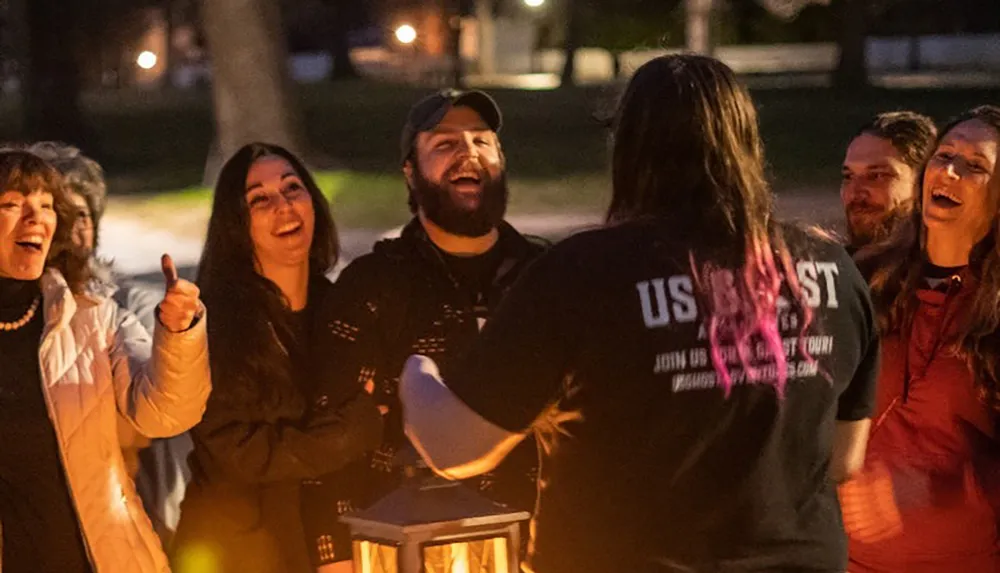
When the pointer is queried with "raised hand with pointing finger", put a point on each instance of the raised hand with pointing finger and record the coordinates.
(181, 304)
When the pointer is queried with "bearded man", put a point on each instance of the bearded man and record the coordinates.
(881, 172)
(428, 292)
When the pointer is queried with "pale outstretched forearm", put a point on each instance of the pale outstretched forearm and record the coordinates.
(453, 439)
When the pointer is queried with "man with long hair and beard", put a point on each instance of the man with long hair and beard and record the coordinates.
(880, 173)
(428, 291)
(698, 374)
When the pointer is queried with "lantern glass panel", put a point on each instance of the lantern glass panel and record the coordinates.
(468, 556)
(372, 557)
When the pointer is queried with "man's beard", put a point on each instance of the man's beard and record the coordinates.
(438, 203)
(863, 223)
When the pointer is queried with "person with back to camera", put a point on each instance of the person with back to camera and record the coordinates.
(699, 374)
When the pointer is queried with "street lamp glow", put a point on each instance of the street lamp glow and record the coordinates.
(146, 60)
(406, 34)
(534, 3)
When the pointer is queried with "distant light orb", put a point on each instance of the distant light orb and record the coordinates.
(406, 34)
(146, 60)
(534, 3)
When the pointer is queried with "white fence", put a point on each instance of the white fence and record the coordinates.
(979, 53)
(967, 52)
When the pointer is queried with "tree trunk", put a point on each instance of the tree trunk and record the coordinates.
(743, 11)
(340, 48)
(169, 65)
(15, 39)
(698, 26)
(852, 69)
(251, 90)
(573, 24)
(453, 18)
(50, 92)
(487, 38)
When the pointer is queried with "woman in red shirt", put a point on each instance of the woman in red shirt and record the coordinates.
(925, 501)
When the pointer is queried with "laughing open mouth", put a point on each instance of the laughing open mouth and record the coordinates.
(289, 229)
(463, 178)
(33, 243)
(863, 210)
(943, 198)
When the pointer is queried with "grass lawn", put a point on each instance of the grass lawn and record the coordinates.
(557, 151)
(367, 200)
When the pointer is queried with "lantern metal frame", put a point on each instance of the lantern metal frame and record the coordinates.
(435, 512)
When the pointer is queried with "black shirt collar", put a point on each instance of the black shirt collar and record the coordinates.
(16, 296)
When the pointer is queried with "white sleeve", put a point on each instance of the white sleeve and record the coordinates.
(454, 440)
(161, 386)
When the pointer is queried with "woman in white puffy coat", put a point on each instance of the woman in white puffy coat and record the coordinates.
(71, 365)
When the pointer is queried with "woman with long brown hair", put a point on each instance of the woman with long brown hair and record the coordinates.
(72, 364)
(270, 241)
(699, 374)
(925, 501)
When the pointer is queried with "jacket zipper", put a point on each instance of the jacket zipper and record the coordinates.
(46, 339)
(950, 294)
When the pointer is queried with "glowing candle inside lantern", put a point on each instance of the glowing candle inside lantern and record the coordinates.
(366, 557)
(460, 558)
(500, 554)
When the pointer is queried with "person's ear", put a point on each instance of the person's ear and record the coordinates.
(408, 173)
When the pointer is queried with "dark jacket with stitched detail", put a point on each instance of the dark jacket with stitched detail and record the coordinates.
(242, 510)
(401, 299)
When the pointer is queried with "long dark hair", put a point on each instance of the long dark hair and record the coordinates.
(26, 172)
(687, 152)
(248, 311)
(896, 270)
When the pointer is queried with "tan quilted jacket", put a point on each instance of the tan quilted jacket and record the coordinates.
(99, 364)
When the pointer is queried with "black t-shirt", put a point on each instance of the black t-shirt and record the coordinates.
(473, 276)
(937, 277)
(41, 532)
(648, 466)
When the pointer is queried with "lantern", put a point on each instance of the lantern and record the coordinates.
(431, 525)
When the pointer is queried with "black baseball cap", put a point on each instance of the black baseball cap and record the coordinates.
(429, 112)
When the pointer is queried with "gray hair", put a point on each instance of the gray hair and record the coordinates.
(81, 174)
